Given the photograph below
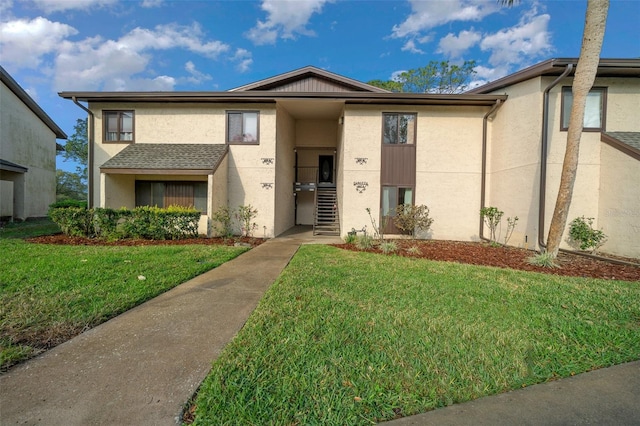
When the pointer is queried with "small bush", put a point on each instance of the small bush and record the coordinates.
(245, 215)
(73, 221)
(350, 238)
(544, 259)
(388, 247)
(582, 234)
(223, 219)
(413, 250)
(411, 219)
(365, 242)
(68, 203)
(105, 223)
(491, 217)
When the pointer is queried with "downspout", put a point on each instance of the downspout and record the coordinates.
(543, 156)
(89, 153)
(483, 178)
(543, 178)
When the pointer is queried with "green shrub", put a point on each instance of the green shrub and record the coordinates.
(350, 238)
(582, 234)
(544, 259)
(68, 203)
(365, 242)
(105, 222)
(491, 217)
(245, 215)
(73, 221)
(223, 219)
(388, 247)
(411, 219)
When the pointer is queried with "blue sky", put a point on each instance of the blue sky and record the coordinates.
(75, 45)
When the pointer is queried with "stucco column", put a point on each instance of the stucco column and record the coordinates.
(19, 191)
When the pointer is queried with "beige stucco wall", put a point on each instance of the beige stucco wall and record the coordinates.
(448, 164)
(619, 207)
(199, 123)
(513, 161)
(285, 172)
(217, 193)
(27, 141)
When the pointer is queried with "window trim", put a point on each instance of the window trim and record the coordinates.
(118, 111)
(415, 127)
(227, 114)
(603, 122)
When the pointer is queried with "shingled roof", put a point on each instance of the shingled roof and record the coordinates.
(627, 142)
(187, 158)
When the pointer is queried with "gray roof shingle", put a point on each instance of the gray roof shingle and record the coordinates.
(170, 156)
(627, 142)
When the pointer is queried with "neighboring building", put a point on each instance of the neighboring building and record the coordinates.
(27, 153)
(314, 148)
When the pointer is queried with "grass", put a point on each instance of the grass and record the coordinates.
(48, 294)
(30, 228)
(356, 338)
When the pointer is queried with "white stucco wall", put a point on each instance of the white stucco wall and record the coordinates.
(619, 207)
(25, 140)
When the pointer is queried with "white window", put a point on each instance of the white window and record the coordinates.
(594, 111)
(242, 127)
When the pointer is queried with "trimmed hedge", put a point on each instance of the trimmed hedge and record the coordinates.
(150, 223)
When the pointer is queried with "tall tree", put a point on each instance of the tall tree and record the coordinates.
(70, 186)
(76, 148)
(586, 70)
(435, 77)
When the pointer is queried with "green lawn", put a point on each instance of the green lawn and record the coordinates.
(355, 338)
(30, 228)
(48, 293)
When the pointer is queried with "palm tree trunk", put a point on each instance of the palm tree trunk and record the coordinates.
(596, 18)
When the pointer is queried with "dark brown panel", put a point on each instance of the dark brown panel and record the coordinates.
(398, 165)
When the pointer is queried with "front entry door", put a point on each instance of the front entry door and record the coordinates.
(325, 169)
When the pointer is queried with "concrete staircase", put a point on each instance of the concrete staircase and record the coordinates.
(326, 221)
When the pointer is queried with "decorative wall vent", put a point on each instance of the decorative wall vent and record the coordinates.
(361, 160)
(361, 186)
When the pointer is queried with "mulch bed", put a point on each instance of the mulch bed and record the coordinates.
(443, 250)
(509, 257)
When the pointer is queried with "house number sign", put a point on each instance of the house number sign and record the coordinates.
(267, 161)
(266, 185)
(361, 186)
(361, 160)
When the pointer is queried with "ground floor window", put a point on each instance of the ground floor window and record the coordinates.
(165, 194)
(393, 196)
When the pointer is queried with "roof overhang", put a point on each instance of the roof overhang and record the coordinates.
(255, 96)
(30, 103)
(555, 67)
(627, 142)
(8, 166)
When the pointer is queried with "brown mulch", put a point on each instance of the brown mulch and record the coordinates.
(62, 239)
(443, 250)
(510, 257)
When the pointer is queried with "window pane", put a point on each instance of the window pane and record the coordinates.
(126, 126)
(390, 129)
(143, 193)
(566, 106)
(111, 126)
(200, 196)
(157, 194)
(389, 200)
(405, 196)
(406, 132)
(234, 126)
(250, 133)
(593, 110)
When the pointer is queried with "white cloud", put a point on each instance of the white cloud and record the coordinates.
(197, 77)
(426, 15)
(527, 40)
(5, 8)
(244, 59)
(50, 6)
(285, 19)
(98, 64)
(23, 43)
(410, 46)
(152, 3)
(454, 46)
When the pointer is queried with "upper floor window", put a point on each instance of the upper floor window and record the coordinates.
(398, 128)
(118, 126)
(242, 127)
(594, 111)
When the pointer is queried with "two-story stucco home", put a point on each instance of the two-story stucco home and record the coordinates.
(310, 147)
(27, 153)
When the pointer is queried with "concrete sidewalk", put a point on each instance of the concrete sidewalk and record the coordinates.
(605, 397)
(142, 366)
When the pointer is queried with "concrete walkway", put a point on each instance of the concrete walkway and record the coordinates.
(142, 366)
